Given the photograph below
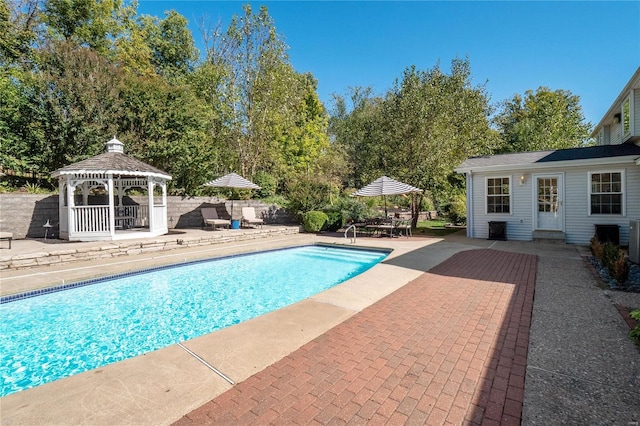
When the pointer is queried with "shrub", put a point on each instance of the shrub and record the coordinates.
(352, 209)
(456, 208)
(306, 194)
(620, 269)
(611, 253)
(335, 220)
(314, 221)
(596, 248)
(267, 184)
(635, 333)
(612, 258)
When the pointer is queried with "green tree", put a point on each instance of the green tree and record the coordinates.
(356, 129)
(435, 121)
(75, 98)
(17, 30)
(166, 125)
(170, 42)
(424, 127)
(90, 23)
(541, 120)
(275, 121)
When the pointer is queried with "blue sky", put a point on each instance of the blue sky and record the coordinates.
(591, 48)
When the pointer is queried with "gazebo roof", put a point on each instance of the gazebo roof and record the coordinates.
(112, 162)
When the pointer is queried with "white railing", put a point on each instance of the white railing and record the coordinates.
(142, 215)
(90, 219)
(95, 219)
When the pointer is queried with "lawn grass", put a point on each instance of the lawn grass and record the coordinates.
(434, 228)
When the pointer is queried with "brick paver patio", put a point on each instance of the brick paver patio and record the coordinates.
(447, 348)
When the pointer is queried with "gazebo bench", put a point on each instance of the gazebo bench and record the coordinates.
(6, 236)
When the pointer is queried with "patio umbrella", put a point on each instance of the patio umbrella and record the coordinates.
(384, 186)
(232, 180)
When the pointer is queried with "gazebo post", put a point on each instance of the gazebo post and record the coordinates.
(85, 193)
(150, 185)
(71, 189)
(112, 210)
(63, 223)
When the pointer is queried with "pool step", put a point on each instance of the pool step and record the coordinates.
(343, 255)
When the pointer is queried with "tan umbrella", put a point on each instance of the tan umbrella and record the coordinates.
(232, 180)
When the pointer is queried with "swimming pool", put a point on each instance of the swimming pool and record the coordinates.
(61, 333)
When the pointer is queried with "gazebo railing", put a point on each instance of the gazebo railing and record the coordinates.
(95, 219)
(90, 219)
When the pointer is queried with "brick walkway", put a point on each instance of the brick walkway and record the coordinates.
(447, 348)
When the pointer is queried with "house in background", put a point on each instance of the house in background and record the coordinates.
(562, 194)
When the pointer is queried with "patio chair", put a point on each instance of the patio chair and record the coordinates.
(210, 216)
(386, 227)
(249, 217)
(404, 227)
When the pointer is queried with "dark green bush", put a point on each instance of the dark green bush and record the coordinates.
(353, 209)
(314, 221)
(335, 220)
(267, 184)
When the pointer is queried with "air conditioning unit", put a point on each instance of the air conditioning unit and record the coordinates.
(634, 241)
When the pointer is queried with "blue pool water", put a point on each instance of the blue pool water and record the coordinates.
(55, 335)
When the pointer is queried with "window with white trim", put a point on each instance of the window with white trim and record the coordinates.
(606, 192)
(499, 195)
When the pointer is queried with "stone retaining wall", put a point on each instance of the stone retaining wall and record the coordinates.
(110, 249)
(25, 214)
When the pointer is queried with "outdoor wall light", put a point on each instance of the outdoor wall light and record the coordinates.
(617, 117)
(522, 180)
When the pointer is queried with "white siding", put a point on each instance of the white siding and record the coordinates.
(616, 133)
(636, 112)
(579, 226)
(518, 221)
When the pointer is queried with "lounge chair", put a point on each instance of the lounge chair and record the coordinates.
(249, 217)
(210, 216)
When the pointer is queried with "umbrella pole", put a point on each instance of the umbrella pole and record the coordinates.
(385, 206)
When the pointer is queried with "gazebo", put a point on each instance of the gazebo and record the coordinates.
(92, 192)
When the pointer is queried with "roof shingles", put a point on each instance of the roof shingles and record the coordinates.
(113, 162)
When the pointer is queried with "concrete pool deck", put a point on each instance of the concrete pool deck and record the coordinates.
(571, 376)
